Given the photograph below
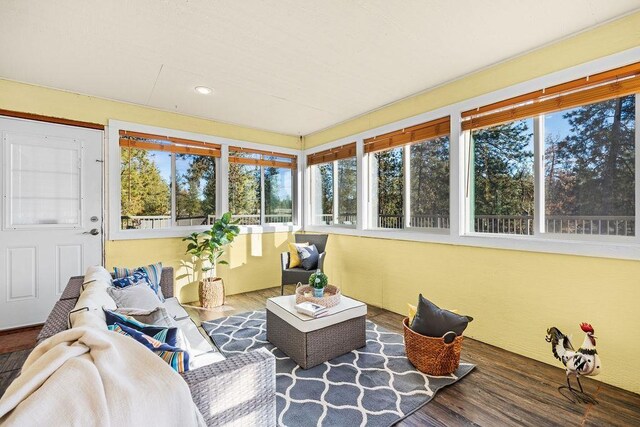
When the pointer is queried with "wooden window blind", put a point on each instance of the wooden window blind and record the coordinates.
(429, 130)
(250, 156)
(337, 153)
(583, 91)
(147, 141)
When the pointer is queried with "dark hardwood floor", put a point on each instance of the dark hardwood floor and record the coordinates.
(505, 389)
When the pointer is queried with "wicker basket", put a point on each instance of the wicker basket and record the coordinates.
(431, 355)
(330, 299)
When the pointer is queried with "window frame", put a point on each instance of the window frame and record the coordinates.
(460, 232)
(406, 191)
(335, 214)
(112, 176)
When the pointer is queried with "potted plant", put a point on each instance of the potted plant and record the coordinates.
(206, 248)
(318, 281)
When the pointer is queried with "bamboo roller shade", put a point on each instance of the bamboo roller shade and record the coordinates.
(290, 163)
(586, 90)
(429, 130)
(147, 141)
(337, 153)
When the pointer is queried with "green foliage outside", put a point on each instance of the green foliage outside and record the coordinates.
(277, 191)
(195, 186)
(430, 177)
(503, 169)
(143, 190)
(592, 170)
(244, 189)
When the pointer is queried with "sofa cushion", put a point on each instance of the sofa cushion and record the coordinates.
(198, 343)
(136, 296)
(175, 309)
(96, 272)
(152, 271)
(205, 359)
(177, 358)
(93, 299)
(158, 317)
(166, 334)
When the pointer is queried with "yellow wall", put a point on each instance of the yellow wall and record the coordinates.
(514, 296)
(614, 37)
(254, 261)
(56, 103)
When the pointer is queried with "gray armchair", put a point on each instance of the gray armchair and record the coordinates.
(291, 276)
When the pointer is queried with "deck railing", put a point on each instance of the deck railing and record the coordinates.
(342, 219)
(269, 219)
(502, 224)
(415, 221)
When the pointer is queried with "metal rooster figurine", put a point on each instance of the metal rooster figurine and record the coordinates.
(585, 361)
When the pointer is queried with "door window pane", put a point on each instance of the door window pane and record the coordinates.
(502, 178)
(347, 191)
(278, 195)
(389, 187)
(195, 190)
(44, 181)
(145, 191)
(590, 169)
(322, 194)
(244, 193)
(430, 183)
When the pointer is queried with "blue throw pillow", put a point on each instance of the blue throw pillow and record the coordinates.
(309, 257)
(176, 358)
(164, 334)
(136, 278)
(153, 273)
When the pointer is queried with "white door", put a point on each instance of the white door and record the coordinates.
(51, 218)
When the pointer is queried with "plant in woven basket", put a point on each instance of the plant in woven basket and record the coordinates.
(207, 247)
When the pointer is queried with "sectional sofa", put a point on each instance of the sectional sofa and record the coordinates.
(239, 390)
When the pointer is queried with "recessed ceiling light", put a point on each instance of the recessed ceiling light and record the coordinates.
(204, 90)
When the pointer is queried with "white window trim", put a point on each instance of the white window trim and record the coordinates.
(309, 202)
(618, 247)
(222, 202)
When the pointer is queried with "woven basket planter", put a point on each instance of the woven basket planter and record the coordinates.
(430, 355)
(211, 292)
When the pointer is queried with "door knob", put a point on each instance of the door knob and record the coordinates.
(93, 232)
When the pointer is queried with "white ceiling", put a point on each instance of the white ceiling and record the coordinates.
(290, 66)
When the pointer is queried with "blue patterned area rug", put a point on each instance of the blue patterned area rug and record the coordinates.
(373, 386)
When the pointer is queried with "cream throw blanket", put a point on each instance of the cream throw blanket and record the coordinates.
(90, 377)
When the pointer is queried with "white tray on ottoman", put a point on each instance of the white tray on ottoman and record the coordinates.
(310, 342)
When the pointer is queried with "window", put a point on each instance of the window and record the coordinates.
(254, 173)
(278, 195)
(410, 177)
(151, 196)
(583, 132)
(334, 192)
(502, 178)
(589, 169)
(429, 183)
(322, 194)
(195, 190)
(388, 200)
(347, 191)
